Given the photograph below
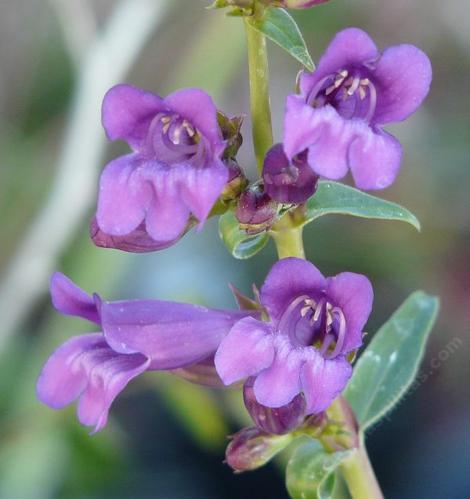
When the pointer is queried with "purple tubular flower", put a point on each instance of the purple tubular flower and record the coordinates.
(135, 336)
(314, 323)
(353, 91)
(288, 181)
(175, 170)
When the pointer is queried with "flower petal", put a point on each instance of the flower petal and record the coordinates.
(288, 279)
(69, 299)
(167, 214)
(201, 187)
(323, 380)
(107, 374)
(171, 334)
(277, 385)
(374, 159)
(302, 125)
(137, 241)
(123, 196)
(403, 77)
(245, 351)
(62, 380)
(353, 293)
(349, 47)
(127, 112)
(199, 109)
(328, 155)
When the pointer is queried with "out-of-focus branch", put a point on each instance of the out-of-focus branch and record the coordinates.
(108, 60)
(78, 25)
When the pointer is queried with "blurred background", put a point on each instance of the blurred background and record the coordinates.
(166, 437)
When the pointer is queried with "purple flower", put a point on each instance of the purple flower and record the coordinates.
(314, 322)
(288, 181)
(354, 90)
(135, 336)
(300, 4)
(146, 198)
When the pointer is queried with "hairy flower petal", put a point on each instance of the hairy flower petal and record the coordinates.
(277, 385)
(85, 367)
(127, 113)
(171, 334)
(403, 75)
(288, 279)
(374, 159)
(323, 380)
(354, 294)
(69, 299)
(124, 197)
(245, 351)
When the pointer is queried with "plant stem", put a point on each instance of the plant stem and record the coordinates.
(287, 235)
(259, 92)
(288, 238)
(359, 475)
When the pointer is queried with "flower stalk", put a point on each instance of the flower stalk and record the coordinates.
(259, 90)
(356, 469)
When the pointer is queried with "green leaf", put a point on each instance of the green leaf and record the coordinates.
(280, 28)
(333, 198)
(310, 471)
(390, 363)
(238, 242)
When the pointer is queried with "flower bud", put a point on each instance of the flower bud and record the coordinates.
(251, 448)
(256, 211)
(285, 181)
(138, 241)
(278, 420)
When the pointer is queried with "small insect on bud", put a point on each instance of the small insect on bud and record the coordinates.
(256, 211)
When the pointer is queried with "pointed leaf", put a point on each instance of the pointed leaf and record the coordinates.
(390, 363)
(281, 28)
(238, 242)
(334, 198)
(310, 471)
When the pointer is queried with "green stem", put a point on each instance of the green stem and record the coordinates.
(359, 475)
(259, 91)
(288, 241)
(287, 234)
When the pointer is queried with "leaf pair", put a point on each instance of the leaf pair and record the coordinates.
(331, 198)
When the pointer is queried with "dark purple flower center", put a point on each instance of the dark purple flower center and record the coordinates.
(317, 322)
(173, 139)
(350, 91)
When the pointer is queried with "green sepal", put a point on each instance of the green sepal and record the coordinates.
(310, 471)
